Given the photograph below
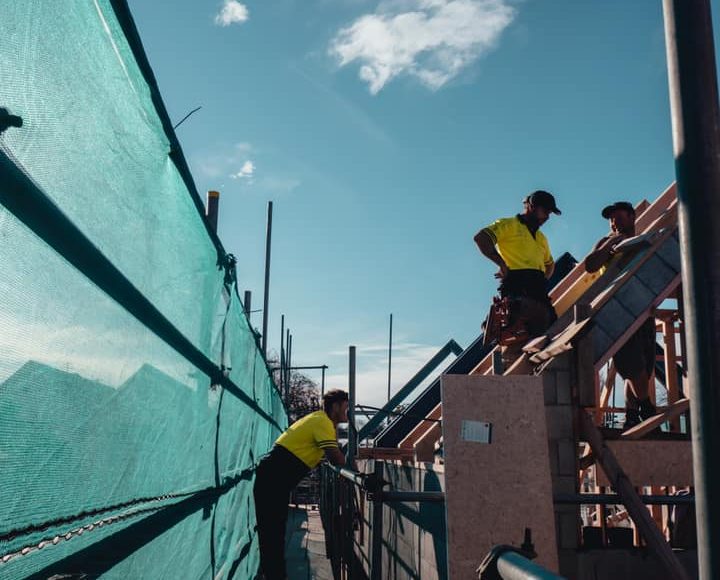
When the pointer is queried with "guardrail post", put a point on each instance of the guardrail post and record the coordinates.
(377, 528)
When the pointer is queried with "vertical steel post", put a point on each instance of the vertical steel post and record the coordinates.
(282, 352)
(390, 357)
(247, 304)
(377, 529)
(696, 141)
(352, 435)
(268, 241)
(212, 208)
(322, 383)
(287, 356)
(289, 368)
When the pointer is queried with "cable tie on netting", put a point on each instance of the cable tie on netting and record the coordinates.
(7, 120)
(219, 377)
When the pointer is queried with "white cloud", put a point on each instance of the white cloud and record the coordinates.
(371, 376)
(218, 164)
(432, 40)
(246, 171)
(232, 12)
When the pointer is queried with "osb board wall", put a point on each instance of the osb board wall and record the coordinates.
(494, 491)
(648, 462)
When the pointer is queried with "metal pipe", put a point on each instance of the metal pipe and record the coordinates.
(421, 496)
(696, 143)
(282, 352)
(513, 566)
(247, 304)
(352, 435)
(354, 476)
(614, 499)
(266, 300)
(377, 530)
(213, 206)
(390, 356)
(288, 384)
(322, 382)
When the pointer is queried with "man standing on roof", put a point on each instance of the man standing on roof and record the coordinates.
(635, 361)
(298, 450)
(522, 254)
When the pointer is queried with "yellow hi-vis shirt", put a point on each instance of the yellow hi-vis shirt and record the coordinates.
(307, 438)
(517, 246)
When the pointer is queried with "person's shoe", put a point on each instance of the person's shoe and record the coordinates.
(647, 409)
(632, 418)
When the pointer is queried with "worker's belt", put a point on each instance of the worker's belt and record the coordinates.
(524, 283)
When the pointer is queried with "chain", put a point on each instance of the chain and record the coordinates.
(77, 532)
(228, 483)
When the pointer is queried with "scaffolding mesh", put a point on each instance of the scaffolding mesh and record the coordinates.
(134, 401)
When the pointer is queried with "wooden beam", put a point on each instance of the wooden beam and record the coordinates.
(421, 428)
(632, 502)
(671, 370)
(674, 410)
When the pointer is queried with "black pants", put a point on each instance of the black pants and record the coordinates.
(529, 300)
(276, 476)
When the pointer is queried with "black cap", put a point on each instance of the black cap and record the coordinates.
(543, 199)
(623, 205)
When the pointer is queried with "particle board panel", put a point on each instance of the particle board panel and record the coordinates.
(648, 462)
(495, 490)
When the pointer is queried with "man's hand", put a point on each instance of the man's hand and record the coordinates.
(615, 241)
(502, 273)
(603, 251)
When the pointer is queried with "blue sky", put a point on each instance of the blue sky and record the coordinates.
(387, 133)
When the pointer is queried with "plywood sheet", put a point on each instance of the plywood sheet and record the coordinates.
(495, 490)
(648, 462)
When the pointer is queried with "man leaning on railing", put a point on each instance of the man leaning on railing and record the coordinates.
(298, 450)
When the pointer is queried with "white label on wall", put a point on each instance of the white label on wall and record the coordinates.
(476, 431)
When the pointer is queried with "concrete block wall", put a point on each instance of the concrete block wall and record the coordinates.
(414, 544)
(562, 447)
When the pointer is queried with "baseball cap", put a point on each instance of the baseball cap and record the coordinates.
(623, 205)
(543, 199)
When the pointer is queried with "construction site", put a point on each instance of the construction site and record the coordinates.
(504, 459)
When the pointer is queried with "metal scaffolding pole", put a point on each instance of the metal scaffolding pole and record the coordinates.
(212, 209)
(390, 357)
(268, 242)
(352, 435)
(282, 352)
(696, 141)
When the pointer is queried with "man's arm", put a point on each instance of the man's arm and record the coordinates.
(486, 246)
(335, 456)
(601, 253)
(549, 269)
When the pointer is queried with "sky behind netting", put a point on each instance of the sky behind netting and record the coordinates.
(387, 133)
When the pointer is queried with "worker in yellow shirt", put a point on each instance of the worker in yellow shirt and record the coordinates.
(522, 254)
(298, 450)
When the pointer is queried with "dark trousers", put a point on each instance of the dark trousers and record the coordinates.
(529, 300)
(276, 476)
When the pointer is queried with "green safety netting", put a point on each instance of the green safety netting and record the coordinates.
(134, 401)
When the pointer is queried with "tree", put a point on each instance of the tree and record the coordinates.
(303, 396)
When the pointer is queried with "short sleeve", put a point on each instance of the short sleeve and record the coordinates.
(498, 230)
(324, 434)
